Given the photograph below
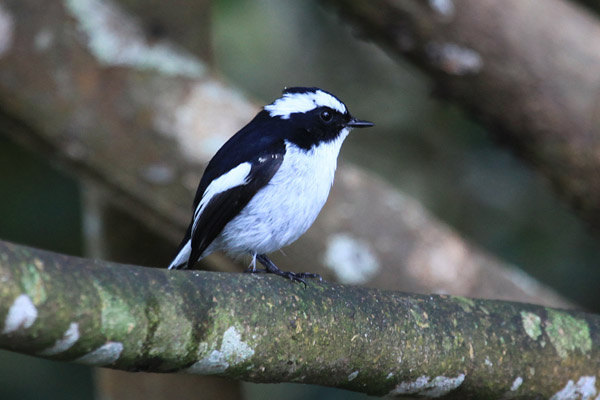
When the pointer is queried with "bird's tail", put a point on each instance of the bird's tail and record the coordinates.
(182, 258)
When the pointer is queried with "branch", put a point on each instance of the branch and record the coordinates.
(141, 126)
(262, 328)
(524, 67)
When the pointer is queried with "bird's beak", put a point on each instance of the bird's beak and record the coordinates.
(356, 123)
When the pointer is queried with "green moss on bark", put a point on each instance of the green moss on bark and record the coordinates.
(567, 333)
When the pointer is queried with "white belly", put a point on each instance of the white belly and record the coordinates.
(284, 209)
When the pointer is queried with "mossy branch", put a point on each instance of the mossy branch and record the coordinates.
(262, 328)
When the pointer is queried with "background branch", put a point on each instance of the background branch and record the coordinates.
(143, 131)
(267, 329)
(527, 69)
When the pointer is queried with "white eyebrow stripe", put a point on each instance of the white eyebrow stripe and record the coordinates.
(291, 103)
(234, 177)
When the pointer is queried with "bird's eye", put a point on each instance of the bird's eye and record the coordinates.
(326, 116)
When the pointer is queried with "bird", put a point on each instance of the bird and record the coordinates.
(267, 184)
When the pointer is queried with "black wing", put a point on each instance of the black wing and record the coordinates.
(224, 206)
(261, 137)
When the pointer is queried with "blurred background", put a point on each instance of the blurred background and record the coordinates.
(426, 148)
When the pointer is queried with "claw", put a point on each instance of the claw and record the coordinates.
(294, 277)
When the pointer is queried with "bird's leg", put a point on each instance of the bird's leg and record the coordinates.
(252, 267)
(296, 277)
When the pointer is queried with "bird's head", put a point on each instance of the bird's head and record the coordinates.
(313, 116)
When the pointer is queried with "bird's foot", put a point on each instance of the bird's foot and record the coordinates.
(271, 268)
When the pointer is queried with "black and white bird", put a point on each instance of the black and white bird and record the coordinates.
(265, 187)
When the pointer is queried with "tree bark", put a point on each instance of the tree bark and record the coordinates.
(527, 69)
(263, 328)
(141, 125)
(108, 232)
(185, 22)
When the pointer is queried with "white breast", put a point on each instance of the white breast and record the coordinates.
(284, 209)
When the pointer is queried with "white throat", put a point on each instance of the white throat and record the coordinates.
(284, 209)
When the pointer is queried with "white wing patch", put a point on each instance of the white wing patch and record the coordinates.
(291, 103)
(235, 177)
